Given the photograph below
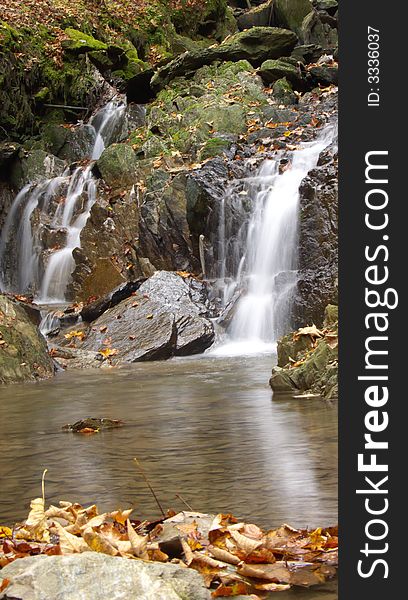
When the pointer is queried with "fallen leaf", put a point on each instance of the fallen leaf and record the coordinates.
(138, 542)
(69, 543)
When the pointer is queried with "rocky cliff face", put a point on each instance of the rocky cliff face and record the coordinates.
(318, 241)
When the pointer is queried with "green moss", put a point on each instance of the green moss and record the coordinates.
(214, 147)
(79, 42)
(42, 95)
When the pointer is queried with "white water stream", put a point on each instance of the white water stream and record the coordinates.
(266, 274)
(63, 205)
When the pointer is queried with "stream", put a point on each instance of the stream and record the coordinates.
(206, 428)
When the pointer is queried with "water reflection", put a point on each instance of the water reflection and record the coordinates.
(206, 428)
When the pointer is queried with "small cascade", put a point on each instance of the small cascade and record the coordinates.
(46, 219)
(258, 265)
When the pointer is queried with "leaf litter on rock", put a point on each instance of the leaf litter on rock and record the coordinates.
(232, 556)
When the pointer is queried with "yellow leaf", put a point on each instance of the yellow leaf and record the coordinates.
(5, 532)
(36, 526)
(138, 542)
(98, 543)
(107, 352)
(69, 543)
(75, 334)
(121, 516)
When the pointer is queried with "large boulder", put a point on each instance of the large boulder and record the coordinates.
(169, 315)
(254, 45)
(23, 351)
(99, 576)
(118, 165)
(291, 13)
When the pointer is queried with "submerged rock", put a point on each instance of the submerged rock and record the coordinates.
(98, 576)
(23, 351)
(93, 423)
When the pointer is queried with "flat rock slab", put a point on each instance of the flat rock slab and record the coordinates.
(167, 316)
(96, 576)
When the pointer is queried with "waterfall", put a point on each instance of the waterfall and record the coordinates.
(60, 206)
(265, 270)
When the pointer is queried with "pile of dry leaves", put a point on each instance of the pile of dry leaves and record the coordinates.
(233, 557)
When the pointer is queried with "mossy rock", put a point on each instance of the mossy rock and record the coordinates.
(254, 45)
(214, 147)
(23, 350)
(331, 315)
(272, 70)
(118, 165)
(35, 166)
(283, 92)
(79, 42)
(291, 13)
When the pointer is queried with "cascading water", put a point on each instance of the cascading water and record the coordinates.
(61, 205)
(265, 273)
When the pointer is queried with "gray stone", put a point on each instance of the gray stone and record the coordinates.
(290, 13)
(259, 16)
(254, 45)
(118, 165)
(35, 166)
(272, 70)
(100, 577)
(195, 333)
(168, 316)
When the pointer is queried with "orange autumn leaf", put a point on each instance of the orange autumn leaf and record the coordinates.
(236, 589)
(80, 335)
(107, 352)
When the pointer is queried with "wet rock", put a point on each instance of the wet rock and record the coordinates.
(99, 576)
(187, 300)
(8, 150)
(259, 16)
(167, 316)
(307, 363)
(118, 165)
(318, 241)
(70, 144)
(95, 309)
(254, 45)
(325, 74)
(34, 166)
(23, 351)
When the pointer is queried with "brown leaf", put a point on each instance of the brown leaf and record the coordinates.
(69, 543)
(276, 573)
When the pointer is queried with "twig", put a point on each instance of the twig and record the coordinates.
(66, 107)
(184, 502)
(149, 486)
(43, 485)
